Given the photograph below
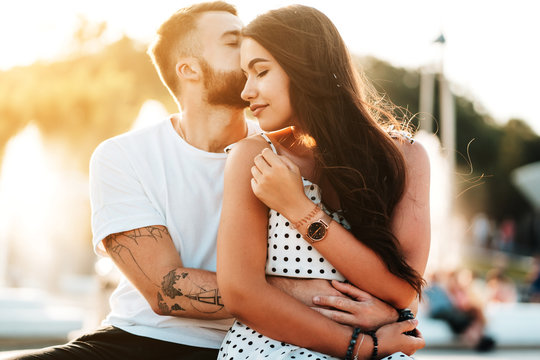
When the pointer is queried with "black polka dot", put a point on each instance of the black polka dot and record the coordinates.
(322, 271)
(286, 236)
(277, 224)
(275, 235)
(334, 271)
(273, 269)
(309, 271)
(285, 259)
(275, 246)
(298, 236)
(309, 248)
(241, 350)
(274, 258)
(277, 214)
(312, 187)
(297, 271)
(321, 259)
(286, 247)
(272, 346)
(298, 247)
(269, 226)
(313, 198)
(250, 343)
(287, 223)
(309, 259)
(285, 270)
(297, 259)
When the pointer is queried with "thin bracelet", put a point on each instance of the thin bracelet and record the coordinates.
(359, 346)
(375, 345)
(348, 355)
(306, 218)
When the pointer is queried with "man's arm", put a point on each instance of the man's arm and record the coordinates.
(148, 258)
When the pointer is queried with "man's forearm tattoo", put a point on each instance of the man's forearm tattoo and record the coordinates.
(202, 300)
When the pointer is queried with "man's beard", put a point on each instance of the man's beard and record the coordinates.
(223, 88)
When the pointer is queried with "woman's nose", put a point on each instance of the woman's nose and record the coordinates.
(249, 91)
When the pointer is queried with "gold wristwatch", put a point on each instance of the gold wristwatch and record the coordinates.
(317, 230)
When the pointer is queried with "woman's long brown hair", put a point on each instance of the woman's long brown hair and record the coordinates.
(353, 150)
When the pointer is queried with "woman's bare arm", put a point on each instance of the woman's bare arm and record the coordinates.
(279, 188)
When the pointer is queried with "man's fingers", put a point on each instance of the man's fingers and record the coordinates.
(336, 302)
(350, 290)
(337, 316)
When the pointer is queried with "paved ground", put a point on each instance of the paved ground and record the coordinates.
(504, 354)
(430, 354)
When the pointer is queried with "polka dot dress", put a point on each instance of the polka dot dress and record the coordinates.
(292, 256)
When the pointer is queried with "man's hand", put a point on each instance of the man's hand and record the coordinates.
(357, 309)
(304, 290)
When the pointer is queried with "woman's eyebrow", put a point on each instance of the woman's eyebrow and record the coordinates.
(255, 61)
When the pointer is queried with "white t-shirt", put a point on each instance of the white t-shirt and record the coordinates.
(151, 176)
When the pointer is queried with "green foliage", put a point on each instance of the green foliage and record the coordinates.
(83, 100)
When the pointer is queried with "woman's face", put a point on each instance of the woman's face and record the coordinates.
(267, 87)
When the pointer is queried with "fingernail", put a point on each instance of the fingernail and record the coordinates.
(316, 299)
(415, 321)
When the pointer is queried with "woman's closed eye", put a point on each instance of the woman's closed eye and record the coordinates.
(262, 73)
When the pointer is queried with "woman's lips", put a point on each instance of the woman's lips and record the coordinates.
(256, 109)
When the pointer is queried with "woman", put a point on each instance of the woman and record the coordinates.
(333, 152)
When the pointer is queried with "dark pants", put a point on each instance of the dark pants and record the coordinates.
(112, 343)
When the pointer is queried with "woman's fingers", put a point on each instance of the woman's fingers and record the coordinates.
(261, 163)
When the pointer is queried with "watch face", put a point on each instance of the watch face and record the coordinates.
(316, 231)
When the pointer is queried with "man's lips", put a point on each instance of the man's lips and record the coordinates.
(257, 108)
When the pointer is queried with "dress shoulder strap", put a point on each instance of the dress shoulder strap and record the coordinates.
(265, 137)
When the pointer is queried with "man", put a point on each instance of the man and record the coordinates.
(156, 200)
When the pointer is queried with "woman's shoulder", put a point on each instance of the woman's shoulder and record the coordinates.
(414, 153)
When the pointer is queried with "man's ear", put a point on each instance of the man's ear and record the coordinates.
(188, 69)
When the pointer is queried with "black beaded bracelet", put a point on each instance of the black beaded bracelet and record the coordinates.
(375, 345)
(350, 349)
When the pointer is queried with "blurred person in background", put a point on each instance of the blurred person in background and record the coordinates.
(450, 297)
(500, 288)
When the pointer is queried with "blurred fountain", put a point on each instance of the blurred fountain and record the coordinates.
(447, 229)
(44, 216)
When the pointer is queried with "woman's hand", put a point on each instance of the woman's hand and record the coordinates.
(277, 182)
(358, 309)
(391, 338)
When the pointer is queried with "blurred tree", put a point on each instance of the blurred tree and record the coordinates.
(97, 93)
(485, 151)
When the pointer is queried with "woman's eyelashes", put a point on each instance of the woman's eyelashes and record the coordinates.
(262, 73)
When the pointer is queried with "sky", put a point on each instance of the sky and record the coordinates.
(491, 54)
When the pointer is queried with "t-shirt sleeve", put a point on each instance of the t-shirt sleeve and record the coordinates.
(117, 196)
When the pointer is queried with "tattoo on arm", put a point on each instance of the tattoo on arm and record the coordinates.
(203, 300)
(118, 245)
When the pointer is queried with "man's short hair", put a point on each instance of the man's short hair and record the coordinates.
(176, 38)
